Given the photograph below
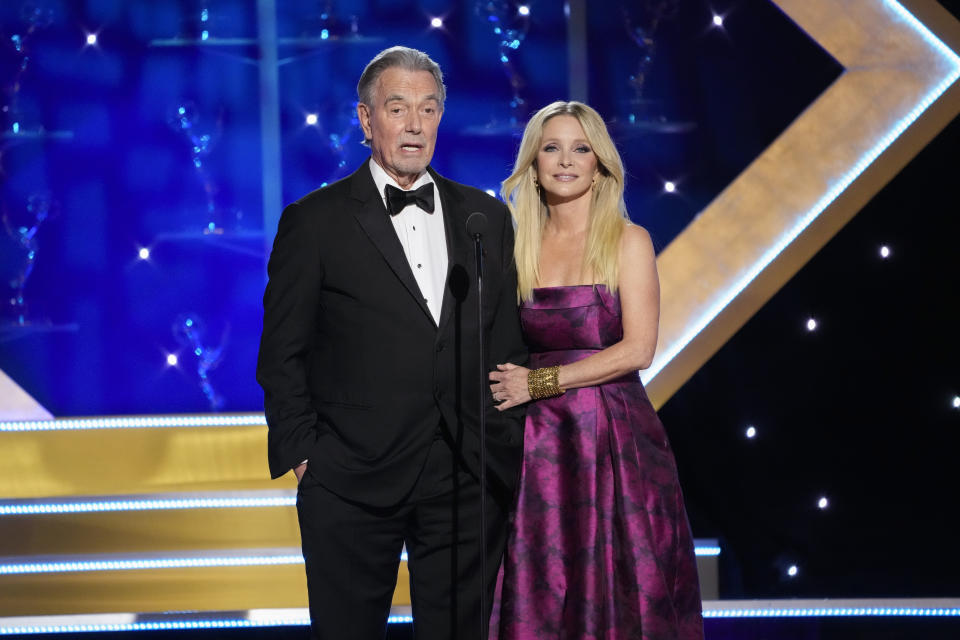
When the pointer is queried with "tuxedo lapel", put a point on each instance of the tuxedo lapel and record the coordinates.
(375, 221)
(461, 272)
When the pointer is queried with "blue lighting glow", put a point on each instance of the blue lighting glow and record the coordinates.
(827, 198)
(324, 34)
(706, 551)
(137, 422)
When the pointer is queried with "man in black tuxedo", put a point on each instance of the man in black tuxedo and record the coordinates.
(370, 368)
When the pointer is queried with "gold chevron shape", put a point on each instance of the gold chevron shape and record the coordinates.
(897, 91)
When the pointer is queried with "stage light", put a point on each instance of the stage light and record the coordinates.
(718, 20)
(92, 39)
(144, 253)
(136, 422)
(436, 23)
(140, 504)
(204, 35)
(172, 359)
(492, 192)
(146, 563)
(311, 119)
(884, 252)
(523, 10)
(792, 571)
(669, 187)
(956, 402)
(860, 608)
(811, 325)
(751, 432)
(823, 503)
(324, 34)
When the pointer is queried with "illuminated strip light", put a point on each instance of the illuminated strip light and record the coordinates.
(148, 563)
(136, 422)
(136, 564)
(838, 612)
(172, 626)
(146, 505)
(299, 617)
(149, 626)
(845, 181)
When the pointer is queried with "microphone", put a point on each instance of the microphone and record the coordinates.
(476, 225)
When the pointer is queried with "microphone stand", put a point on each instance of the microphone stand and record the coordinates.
(476, 225)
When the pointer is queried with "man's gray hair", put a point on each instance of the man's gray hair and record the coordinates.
(405, 58)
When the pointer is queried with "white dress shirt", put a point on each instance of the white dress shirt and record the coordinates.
(422, 236)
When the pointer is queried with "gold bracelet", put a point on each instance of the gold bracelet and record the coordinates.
(544, 382)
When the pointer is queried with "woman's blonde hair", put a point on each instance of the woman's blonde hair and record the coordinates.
(608, 213)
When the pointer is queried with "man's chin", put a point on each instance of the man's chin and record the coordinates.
(411, 170)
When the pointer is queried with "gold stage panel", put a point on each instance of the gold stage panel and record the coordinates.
(897, 91)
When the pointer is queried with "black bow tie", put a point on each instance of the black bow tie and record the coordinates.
(398, 199)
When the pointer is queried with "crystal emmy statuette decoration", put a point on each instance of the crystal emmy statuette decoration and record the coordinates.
(20, 247)
(509, 22)
(201, 136)
(190, 332)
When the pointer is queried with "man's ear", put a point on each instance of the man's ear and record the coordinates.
(363, 114)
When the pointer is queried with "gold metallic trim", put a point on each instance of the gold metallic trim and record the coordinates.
(740, 250)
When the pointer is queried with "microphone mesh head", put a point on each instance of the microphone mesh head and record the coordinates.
(476, 223)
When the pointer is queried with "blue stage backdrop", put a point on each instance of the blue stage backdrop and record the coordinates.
(140, 124)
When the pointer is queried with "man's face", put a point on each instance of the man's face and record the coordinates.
(401, 124)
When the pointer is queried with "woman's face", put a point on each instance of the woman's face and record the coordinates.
(566, 163)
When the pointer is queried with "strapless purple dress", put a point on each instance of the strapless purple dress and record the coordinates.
(600, 546)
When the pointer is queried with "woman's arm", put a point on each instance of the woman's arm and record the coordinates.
(639, 290)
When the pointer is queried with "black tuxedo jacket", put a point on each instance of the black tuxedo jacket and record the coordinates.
(356, 374)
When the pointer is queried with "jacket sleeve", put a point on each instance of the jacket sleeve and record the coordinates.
(290, 305)
(507, 343)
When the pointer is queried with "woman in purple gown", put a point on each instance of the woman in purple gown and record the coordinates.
(600, 546)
